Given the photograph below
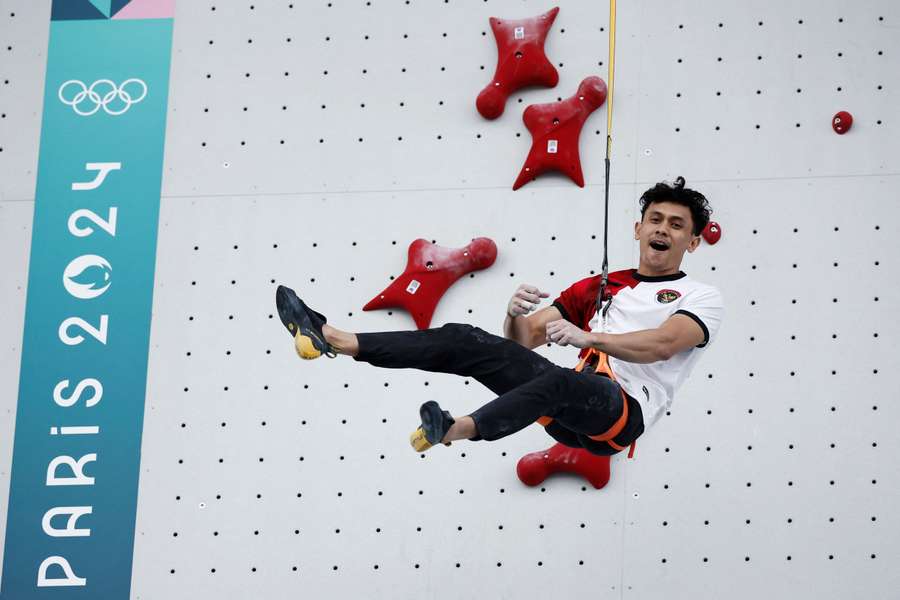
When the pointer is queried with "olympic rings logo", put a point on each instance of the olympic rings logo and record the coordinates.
(87, 100)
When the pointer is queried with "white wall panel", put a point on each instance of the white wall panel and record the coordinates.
(775, 470)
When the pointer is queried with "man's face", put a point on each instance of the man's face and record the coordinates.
(671, 223)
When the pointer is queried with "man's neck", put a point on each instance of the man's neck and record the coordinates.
(646, 272)
(649, 275)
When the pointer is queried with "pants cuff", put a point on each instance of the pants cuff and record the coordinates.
(477, 437)
(359, 353)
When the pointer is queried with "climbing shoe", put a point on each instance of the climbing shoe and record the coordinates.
(435, 425)
(304, 324)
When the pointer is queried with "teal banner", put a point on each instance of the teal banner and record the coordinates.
(76, 455)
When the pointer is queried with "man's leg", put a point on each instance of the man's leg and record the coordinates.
(343, 342)
(465, 429)
(584, 403)
(564, 436)
(498, 363)
(575, 419)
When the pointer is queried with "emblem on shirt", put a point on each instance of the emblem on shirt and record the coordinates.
(666, 296)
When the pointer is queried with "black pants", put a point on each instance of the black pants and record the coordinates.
(527, 384)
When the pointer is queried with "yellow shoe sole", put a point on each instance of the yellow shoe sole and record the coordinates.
(305, 347)
(419, 442)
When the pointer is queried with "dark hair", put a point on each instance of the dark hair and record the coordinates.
(694, 200)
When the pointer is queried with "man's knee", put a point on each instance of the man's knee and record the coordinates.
(478, 334)
(455, 332)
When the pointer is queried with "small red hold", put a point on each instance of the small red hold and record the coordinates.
(555, 128)
(535, 467)
(712, 232)
(430, 270)
(520, 61)
(841, 122)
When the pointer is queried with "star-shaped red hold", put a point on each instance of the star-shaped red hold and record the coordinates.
(520, 61)
(555, 129)
(535, 467)
(430, 270)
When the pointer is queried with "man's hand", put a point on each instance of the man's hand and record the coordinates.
(565, 333)
(525, 300)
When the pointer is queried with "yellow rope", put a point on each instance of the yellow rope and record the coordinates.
(609, 98)
(610, 75)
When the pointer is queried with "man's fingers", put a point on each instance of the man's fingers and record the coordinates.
(524, 305)
(534, 293)
(557, 331)
(555, 335)
(529, 296)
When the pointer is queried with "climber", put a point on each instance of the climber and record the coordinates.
(657, 326)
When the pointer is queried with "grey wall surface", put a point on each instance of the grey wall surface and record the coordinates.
(267, 477)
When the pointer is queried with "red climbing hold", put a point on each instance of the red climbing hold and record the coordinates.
(712, 232)
(520, 61)
(842, 122)
(535, 467)
(430, 270)
(555, 128)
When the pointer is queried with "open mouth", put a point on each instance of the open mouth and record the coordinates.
(659, 246)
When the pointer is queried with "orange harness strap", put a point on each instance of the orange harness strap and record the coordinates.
(608, 435)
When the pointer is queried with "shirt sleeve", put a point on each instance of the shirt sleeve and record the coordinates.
(575, 302)
(705, 307)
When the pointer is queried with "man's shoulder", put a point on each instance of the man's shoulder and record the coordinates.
(705, 292)
(704, 288)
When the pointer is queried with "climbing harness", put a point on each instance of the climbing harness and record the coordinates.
(601, 367)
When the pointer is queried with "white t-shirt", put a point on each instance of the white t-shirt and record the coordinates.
(645, 302)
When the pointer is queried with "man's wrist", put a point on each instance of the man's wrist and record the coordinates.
(597, 340)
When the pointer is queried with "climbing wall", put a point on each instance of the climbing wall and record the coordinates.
(309, 142)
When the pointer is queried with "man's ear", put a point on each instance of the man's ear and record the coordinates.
(637, 226)
(695, 243)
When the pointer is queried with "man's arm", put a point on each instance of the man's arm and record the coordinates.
(644, 346)
(517, 329)
(530, 331)
(678, 333)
